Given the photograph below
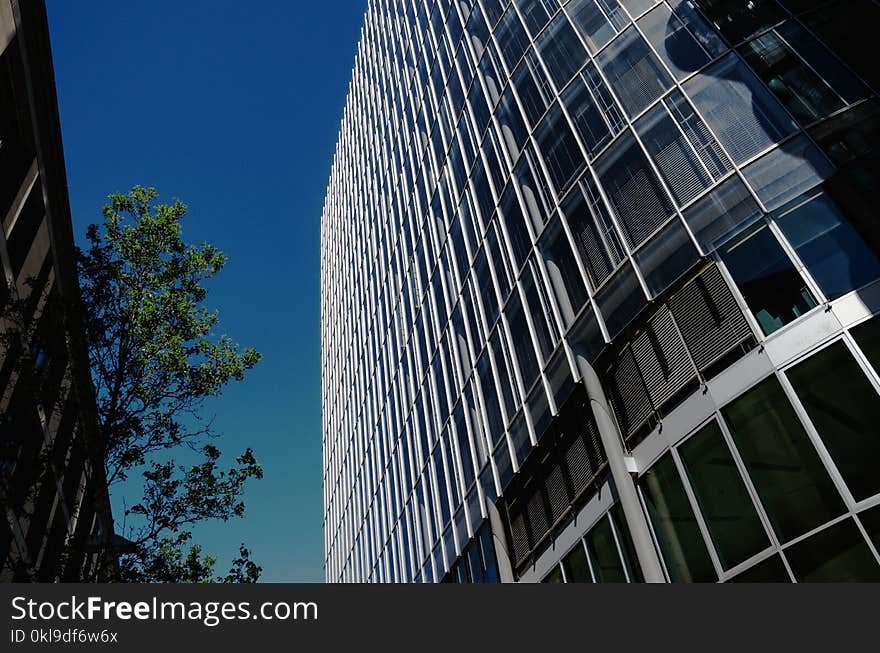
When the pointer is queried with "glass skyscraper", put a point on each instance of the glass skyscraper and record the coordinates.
(598, 286)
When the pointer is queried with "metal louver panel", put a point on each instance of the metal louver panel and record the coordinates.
(662, 358)
(578, 464)
(519, 537)
(557, 494)
(538, 519)
(628, 394)
(709, 318)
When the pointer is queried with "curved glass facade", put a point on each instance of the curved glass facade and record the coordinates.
(677, 194)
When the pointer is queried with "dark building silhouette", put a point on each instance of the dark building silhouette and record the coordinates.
(56, 513)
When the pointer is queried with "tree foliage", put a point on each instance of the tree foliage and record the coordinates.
(155, 356)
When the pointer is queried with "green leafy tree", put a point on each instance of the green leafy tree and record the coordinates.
(155, 356)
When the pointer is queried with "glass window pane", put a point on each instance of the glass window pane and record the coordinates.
(630, 559)
(867, 335)
(787, 171)
(738, 20)
(744, 115)
(603, 552)
(837, 554)
(770, 570)
(673, 42)
(589, 120)
(800, 89)
(633, 189)
(666, 257)
(721, 494)
(675, 526)
(634, 71)
(845, 409)
(512, 38)
(822, 61)
(620, 300)
(673, 154)
(577, 569)
(767, 279)
(871, 521)
(565, 277)
(720, 213)
(561, 50)
(793, 485)
(588, 238)
(591, 23)
(560, 149)
(833, 251)
(554, 576)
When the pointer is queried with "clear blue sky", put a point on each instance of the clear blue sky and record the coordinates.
(234, 108)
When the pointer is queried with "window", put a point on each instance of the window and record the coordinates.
(604, 553)
(554, 576)
(802, 91)
(771, 570)
(620, 300)
(828, 244)
(536, 13)
(577, 568)
(513, 129)
(592, 23)
(787, 171)
(714, 217)
(701, 139)
(532, 86)
(560, 149)
(772, 287)
(837, 554)
(721, 494)
(634, 71)
(844, 408)
(512, 38)
(738, 20)
(675, 526)
(589, 120)
(561, 50)
(521, 339)
(588, 238)
(565, 277)
(517, 231)
(673, 42)
(666, 256)
(791, 481)
(633, 189)
(671, 151)
(746, 117)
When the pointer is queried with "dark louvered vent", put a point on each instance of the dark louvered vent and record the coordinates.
(556, 477)
(699, 328)
(628, 393)
(663, 359)
(709, 319)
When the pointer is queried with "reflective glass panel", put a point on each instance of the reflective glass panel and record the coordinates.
(792, 482)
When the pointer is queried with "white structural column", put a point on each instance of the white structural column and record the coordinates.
(626, 490)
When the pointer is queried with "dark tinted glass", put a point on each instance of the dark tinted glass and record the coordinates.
(721, 494)
(837, 554)
(577, 569)
(767, 279)
(834, 252)
(678, 533)
(845, 409)
(791, 481)
(770, 570)
(603, 551)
